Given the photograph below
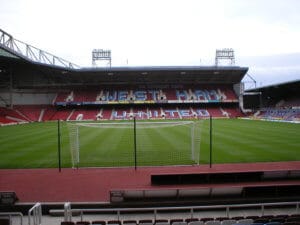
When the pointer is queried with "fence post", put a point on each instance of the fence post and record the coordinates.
(35, 214)
(227, 211)
(58, 145)
(134, 139)
(67, 212)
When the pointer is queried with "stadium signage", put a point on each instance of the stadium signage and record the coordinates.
(156, 114)
(153, 96)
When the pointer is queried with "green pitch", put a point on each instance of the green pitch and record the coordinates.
(35, 145)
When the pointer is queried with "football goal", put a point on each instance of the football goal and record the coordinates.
(111, 144)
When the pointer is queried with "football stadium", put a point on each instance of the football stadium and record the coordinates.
(163, 145)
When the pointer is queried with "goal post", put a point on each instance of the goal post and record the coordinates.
(147, 143)
(195, 142)
(74, 144)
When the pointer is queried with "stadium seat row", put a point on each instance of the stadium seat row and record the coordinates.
(222, 94)
(38, 113)
(250, 220)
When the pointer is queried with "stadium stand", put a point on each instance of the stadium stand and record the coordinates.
(215, 93)
(8, 115)
(62, 115)
(293, 102)
(38, 113)
(93, 105)
(278, 102)
(278, 213)
(32, 112)
(190, 216)
(49, 113)
(280, 114)
(181, 92)
(79, 114)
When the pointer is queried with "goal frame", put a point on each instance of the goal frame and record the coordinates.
(195, 135)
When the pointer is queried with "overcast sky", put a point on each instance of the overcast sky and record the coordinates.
(265, 34)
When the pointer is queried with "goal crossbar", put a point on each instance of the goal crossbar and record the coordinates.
(141, 124)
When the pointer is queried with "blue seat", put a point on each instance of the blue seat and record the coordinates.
(273, 223)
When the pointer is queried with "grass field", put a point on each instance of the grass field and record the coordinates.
(35, 145)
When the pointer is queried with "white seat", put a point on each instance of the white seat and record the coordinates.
(213, 222)
(228, 222)
(245, 221)
(145, 223)
(179, 223)
(162, 223)
(196, 223)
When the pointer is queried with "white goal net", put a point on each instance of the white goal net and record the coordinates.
(126, 143)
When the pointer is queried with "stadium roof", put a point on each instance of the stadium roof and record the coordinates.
(34, 64)
(170, 74)
(127, 75)
(280, 90)
(24, 58)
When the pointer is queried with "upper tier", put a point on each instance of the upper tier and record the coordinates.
(203, 94)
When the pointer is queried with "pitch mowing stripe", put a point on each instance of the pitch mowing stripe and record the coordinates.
(178, 142)
(35, 145)
(156, 147)
(31, 141)
(105, 146)
(163, 145)
(24, 133)
(243, 141)
(116, 143)
(150, 148)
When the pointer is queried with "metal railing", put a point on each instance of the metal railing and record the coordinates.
(35, 215)
(12, 214)
(227, 209)
(67, 212)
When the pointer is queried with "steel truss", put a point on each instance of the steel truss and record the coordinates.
(31, 53)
